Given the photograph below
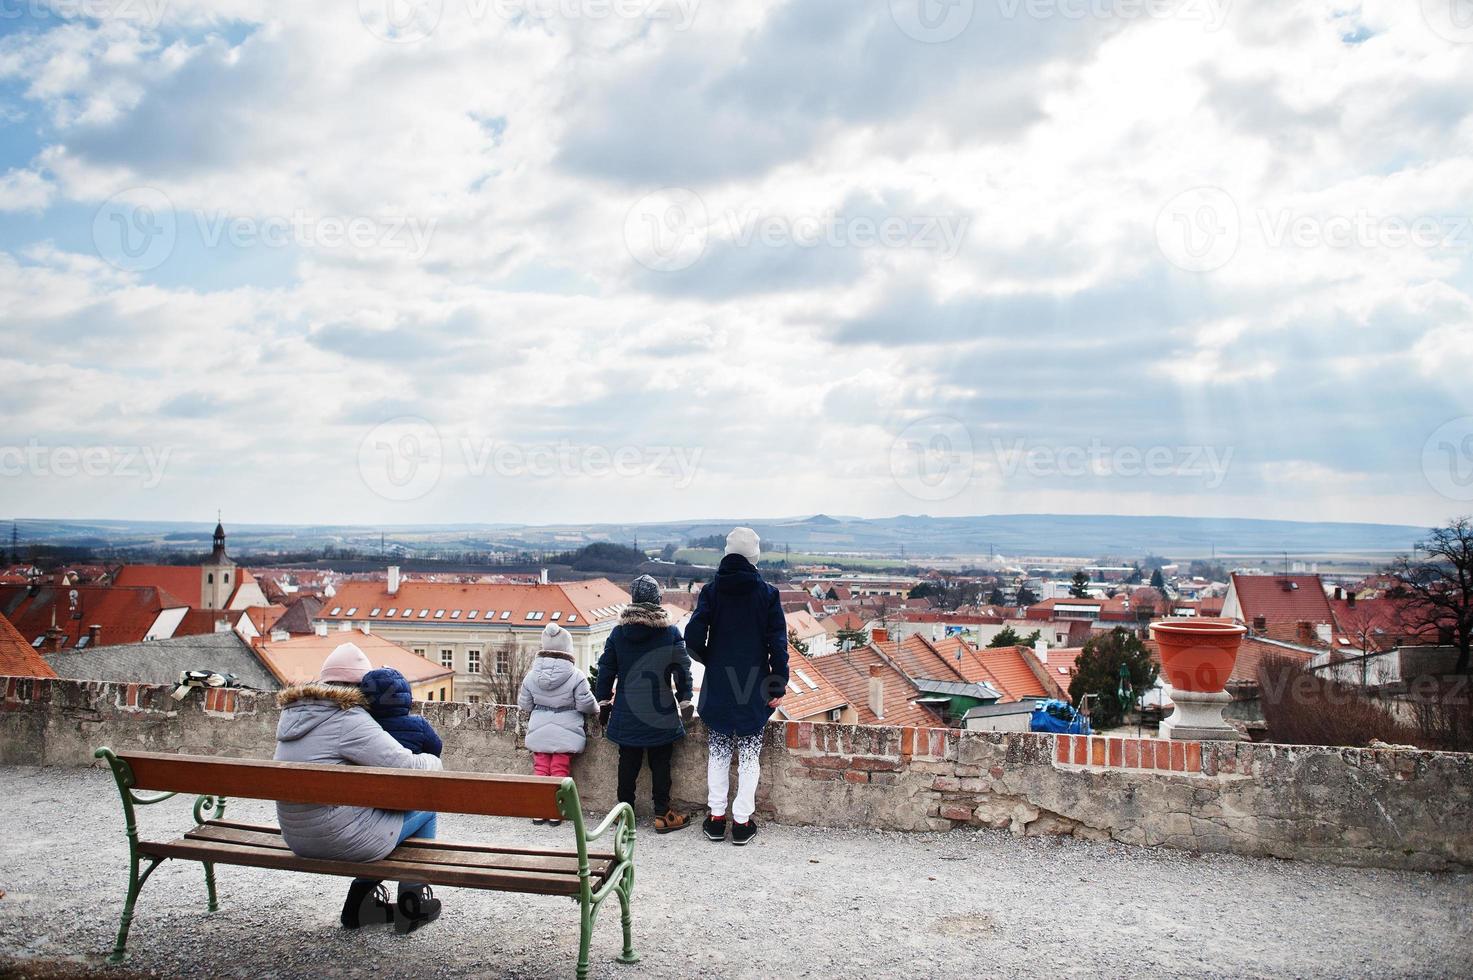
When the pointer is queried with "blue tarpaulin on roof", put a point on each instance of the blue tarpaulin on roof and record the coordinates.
(1058, 717)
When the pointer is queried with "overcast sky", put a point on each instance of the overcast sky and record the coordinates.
(580, 260)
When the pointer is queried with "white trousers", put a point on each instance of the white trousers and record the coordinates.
(748, 750)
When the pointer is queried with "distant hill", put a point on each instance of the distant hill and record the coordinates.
(914, 536)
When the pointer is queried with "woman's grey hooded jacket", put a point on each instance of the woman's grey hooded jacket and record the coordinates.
(328, 723)
(555, 696)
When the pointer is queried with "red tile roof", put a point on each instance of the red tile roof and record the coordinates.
(299, 659)
(849, 672)
(125, 614)
(575, 605)
(1282, 599)
(809, 691)
(182, 581)
(918, 660)
(17, 657)
(1011, 673)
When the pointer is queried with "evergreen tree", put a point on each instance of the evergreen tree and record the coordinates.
(1009, 637)
(1026, 597)
(1079, 585)
(997, 598)
(1158, 581)
(1097, 673)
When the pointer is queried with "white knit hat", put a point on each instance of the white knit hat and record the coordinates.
(345, 665)
(555, 639)
(744, 541)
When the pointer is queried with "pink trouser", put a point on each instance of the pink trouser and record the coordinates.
(552, 764)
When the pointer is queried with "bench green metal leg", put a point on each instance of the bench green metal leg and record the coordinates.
(135, 885)
(626, 894)
(209, 808)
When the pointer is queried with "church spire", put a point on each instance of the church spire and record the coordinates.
(219, 552)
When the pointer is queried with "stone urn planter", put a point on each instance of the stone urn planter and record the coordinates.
(1197, 656)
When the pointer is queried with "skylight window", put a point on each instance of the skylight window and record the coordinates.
(793, 686)
(335, 610)
(374, 611)
(455, 614)
(506, 614)
(393, 610)
(572, 617)
(472, 614)
(557, 615)
(351, 610)
(807, 680)
(408, 612)
(439, 614)
(535, 615)
(423, 613)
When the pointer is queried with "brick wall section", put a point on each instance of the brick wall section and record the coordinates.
(1391, 808)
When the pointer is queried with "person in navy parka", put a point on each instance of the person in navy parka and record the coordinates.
(739, 633)
(389, 700)
(644, 657)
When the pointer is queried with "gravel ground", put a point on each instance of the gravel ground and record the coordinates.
(797, 902)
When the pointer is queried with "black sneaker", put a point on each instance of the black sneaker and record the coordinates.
(367, 905)
(714, 828)
(416, 908)
(554, 823)
(743, 832)
(539, 821)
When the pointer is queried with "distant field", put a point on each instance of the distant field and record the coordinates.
(710, 556)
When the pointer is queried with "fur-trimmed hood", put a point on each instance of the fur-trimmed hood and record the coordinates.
(342, 695)
(304, 707)
(644, 614)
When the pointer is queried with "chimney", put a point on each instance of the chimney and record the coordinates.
(393, 580)
(1322, 632)
(877, 690)
(321, 629)
(542, 577)
(1305, 632)
(345, 627)
(93, 633)
(365, 628)
(1350, 598)
(879, 635)
(55, 638)
(222, 625)
(1339, 593)
(280, 636)
(1040, 649)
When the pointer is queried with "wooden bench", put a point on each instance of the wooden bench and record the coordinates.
(588, 877)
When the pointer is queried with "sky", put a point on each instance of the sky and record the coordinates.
(544, 261)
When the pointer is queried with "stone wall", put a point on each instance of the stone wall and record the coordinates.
(1394, 808)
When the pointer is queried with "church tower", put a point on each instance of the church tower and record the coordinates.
(218, 575)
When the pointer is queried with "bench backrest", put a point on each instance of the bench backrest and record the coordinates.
(387, 789)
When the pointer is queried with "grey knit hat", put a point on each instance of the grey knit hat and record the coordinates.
(645, 589)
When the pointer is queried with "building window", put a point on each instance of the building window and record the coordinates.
(210, 578)
(419, 651)
(442, 694)
(473, 661)
(503, 662)
(225, 578)
(475, 699)
(447, 658)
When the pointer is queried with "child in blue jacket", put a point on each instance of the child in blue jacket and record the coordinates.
(389, 699)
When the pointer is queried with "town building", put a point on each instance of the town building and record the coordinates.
(486, 633)
(298, 659)
(217, 583)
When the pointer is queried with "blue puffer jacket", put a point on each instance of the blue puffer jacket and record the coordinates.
(644, 657)
(740, 634)
(389, 699)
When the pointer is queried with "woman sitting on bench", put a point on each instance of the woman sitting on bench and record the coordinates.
(327, 721)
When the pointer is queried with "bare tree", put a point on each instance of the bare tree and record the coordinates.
(1437, 592)
(506, 666)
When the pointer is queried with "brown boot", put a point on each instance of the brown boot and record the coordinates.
(671, 821)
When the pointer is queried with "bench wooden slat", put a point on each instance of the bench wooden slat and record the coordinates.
(448, 845)
(303, 782)
(419, 852)
(217, 852)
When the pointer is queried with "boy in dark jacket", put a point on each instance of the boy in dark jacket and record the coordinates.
(740, 634)
(643, 658)
(389, 700)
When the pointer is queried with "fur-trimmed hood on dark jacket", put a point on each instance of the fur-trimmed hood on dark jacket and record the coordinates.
(644, 614)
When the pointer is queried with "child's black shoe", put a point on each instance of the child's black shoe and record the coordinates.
(743, 832)
(714, 828)
(417, 907)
